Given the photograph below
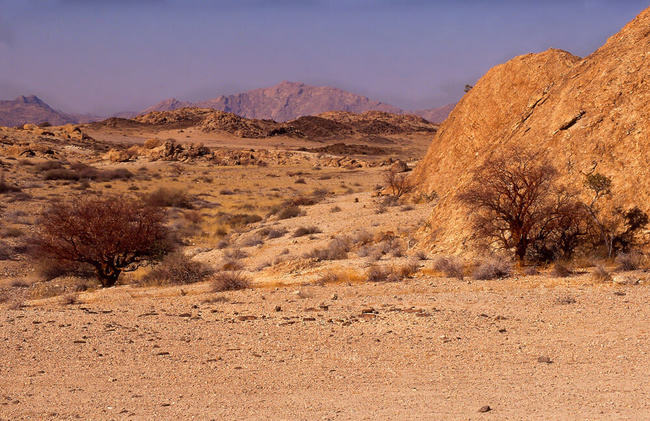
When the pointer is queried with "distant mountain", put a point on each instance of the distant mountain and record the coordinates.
(436, 115)
(30, 109)
(290, 100)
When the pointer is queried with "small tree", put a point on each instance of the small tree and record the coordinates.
(516, 202)
(398, 183)
(617, 228)
(110, 233)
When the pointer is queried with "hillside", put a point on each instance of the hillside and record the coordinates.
(588, 114)
(30, 109)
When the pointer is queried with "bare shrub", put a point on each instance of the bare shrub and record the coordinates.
(251, 240)
(451, 266)
(337, 249)
(378, 273)
(111, 233)
(398, 183)
(302, 231)
(290, 212)
(69, 299)
(6, 251)
(496, 267)
(177, 268)
(629, 261)
(169, 197)
(61, 174)
(230, 281)
(599, 274)
(561, 270)
(235, 254)
(335, 209)
(407, 270)
(329, 278)
(276, 232)
(5, 187)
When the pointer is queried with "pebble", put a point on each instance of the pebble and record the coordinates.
(485, 408)
(543, 359)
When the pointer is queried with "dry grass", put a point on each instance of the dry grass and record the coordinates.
(230, 281)
(451, 266)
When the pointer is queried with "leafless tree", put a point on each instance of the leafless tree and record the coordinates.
(398, 183)
(514, 199)
(111, 233)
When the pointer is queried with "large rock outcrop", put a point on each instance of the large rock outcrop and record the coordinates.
(589, 114)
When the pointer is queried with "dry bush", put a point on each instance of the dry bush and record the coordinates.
(561, 270)
(251, 240)
(378, 273)
(61, 174)
(193, 216)
(169, 197)
(393, 246)
(407, 270)
(47, 165)
(629, 261)
(329, 278)
(599, 274)
(362, 237)
(398, 183)
(111, 233)
(235, 254)
(496, 267)
(6, 251)
(451, 266)
(276, 233)
(230, 281)
(5, 187)
(302, 231)
(337, 249)
(177, 269)
(289, 212)
(69, 299)
(239, 220)
(335, 209)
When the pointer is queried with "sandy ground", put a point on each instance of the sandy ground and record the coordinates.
(426, 348)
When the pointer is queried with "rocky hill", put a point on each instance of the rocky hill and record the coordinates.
(30, 109)
(330, 125)
(591, 113)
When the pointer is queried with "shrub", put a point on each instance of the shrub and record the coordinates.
(169, 197)
(381, 274)
(177, 268)
(6, 251)
(276, 233)
(629, 261)
(336, 250)
(398, 183)
(290, 212)
(302, 231)
(5, 187)
(61, 174)
(561, 270)
(235, 254)
(251, 240)
(230, 281)
(451, 266)
(493, 268)
(111, 233)
(601, 275)
(48, 269)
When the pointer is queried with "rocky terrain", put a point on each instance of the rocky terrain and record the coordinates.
(589, 114)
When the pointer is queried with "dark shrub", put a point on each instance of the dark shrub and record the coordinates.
(169, 197)
(230, 281)
(61, 174)
(629, 261)
(451, 266)
(561, 270)
(177, 268)
(493, 268)
(302, 231)
(382, 274)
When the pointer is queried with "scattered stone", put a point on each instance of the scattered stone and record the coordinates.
(323, 306)
(334, 297)
(503, 330)
(163, 353)
(278, 308)
(626, 280)
(368, 310)
(246, 318)
(545, 360)
(308, 319)
(485, 408)
(79, 341)
(185, 315)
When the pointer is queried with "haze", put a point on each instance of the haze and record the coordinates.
(110, 56)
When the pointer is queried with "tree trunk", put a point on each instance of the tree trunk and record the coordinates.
(107, 276)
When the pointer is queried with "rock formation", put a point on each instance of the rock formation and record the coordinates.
(590, 114)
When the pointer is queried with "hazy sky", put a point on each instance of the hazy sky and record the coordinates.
(105, 56)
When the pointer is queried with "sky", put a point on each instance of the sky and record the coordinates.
(106, 56)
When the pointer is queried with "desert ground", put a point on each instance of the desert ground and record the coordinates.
(347, 315)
